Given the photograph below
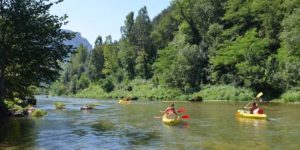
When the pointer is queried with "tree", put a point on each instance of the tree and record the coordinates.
(127, 57)
(146, 54)
(110, 55)
(165, 25)
(127, 29)
(242, 61)
(96, 63)
(98, 41)
(31, 46)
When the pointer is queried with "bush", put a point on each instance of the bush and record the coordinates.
(292, 95)
(225, 92)
(59, 105)
(107, 85)
(38, 113)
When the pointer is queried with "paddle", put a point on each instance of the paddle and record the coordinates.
(185, 117)
(257, 96)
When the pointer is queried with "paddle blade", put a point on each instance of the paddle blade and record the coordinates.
(157, 117)
(181, 110)
(185, 117)
(259, 95)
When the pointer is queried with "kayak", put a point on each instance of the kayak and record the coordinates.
(124, 102)
(246, 114)
(172, 120)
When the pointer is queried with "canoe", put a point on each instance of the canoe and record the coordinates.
(172, 120)
(124, 102)
(246, 114)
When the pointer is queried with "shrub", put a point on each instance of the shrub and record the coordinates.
(38, 113)
(292, 95)
(59, 105)
(225, 92)
(107, 85)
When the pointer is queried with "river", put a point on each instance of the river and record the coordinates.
(212, 125)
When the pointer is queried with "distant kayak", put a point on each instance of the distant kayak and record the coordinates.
(246, 114)
(171, 120)
(124, 102)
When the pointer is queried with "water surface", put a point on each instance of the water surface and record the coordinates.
(212, 125)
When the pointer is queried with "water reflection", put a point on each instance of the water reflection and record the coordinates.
(18, 133)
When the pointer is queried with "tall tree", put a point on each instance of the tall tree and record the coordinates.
(31, 46)
(146, 54)
(127, 29)
(96, 63)
(98, 41)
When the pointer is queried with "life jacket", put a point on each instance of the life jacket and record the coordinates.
(170, 110)
(260, 111)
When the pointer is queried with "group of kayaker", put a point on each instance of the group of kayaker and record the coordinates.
(171, 112)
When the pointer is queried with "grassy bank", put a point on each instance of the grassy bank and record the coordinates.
(145, 90)
(292, 95)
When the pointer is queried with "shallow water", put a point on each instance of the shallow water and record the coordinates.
(212, 125)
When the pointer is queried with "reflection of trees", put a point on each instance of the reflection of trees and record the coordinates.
(17, 133)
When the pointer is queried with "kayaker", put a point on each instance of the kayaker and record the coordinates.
(254, 109)
(170, 110)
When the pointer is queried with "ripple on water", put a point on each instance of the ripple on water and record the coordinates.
(103, 125)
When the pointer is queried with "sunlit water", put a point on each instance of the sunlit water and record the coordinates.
(212, 125)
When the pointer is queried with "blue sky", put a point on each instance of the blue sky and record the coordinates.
(103, 17)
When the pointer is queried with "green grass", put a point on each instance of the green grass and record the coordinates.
(225, 92)
(59, 105)
(292, 95)
(38, 113)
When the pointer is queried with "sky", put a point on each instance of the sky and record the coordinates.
(103, 17)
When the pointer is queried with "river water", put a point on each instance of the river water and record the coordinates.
(212, 125)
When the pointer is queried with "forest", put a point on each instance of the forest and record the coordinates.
(215, 49)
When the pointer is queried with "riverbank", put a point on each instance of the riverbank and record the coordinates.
(148, 91)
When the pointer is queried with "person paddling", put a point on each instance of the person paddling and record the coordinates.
(253, 108)
(170, 111)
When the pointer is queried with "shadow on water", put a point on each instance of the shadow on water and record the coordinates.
(18, 133)
(80, 132)
(103, 126)
(141, 137)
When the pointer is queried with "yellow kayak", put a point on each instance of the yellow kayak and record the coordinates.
(172, 120)
(246, 114)
(124, 102)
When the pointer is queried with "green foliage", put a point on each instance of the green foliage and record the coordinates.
(225, 92)
(127, 57)
(31, 46)
(107, 85)
(244, 59)
(38, 113)
(292, 95)
(111, 63)
(59, 105)
(165, 26)
(141, 89)
(15, 104)
(57, 88)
